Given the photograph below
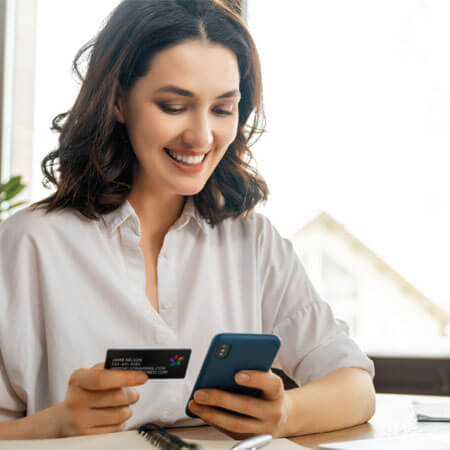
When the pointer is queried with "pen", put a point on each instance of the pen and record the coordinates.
(253, 442)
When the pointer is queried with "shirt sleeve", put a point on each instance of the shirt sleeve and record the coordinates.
(11, 407)
(17, 288)
(314, 342)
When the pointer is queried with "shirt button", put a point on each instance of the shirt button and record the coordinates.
(167, 305)
(165, 254)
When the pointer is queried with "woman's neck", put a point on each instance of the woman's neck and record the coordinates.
(157, 213)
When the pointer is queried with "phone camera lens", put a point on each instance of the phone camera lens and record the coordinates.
(222, 350)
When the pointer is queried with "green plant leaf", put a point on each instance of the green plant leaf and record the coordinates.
(13, 181)
(16, 190)
(8, 191)
(15, 205)
(11, 188)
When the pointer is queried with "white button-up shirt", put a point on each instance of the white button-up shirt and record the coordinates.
(70, 288)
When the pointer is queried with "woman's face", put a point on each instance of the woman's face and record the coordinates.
(182, 116)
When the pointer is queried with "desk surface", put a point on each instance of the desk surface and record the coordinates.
(394, 416)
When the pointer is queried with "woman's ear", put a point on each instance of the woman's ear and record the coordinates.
(119, 108)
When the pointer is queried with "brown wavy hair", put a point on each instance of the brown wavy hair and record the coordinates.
(93, 166)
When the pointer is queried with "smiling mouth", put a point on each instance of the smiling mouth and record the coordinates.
(188, 160)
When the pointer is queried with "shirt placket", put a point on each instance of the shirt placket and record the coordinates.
(167, 289)
(133, 258)
(168, 336)
(135, 267)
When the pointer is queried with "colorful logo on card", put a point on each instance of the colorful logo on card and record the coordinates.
(175, 361)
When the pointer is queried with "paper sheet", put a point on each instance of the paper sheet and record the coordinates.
(432, 412)
(411, 441)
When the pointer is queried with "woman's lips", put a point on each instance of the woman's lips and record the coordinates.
(187, 168)
(186, 152)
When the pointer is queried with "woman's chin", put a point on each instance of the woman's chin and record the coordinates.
(190, 190)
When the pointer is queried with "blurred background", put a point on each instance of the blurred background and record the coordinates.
(356, 152)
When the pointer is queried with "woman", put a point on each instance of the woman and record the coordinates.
(150, 240)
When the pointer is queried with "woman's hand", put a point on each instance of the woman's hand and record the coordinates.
(267, 414)
(98, 400)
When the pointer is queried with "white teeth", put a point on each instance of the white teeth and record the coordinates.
(190, 160)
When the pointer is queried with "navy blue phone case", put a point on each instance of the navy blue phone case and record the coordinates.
(246, 352)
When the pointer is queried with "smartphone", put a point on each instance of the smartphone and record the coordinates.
(230, 353)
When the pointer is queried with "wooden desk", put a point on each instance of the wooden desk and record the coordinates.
(394, 416)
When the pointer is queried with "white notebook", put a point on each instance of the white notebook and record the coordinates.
(131, 440)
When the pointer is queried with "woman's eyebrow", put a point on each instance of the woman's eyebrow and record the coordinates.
(180, 91)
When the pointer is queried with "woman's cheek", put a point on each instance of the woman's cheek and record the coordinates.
(228, 132)
(158, 127)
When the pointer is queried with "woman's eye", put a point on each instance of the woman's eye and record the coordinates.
(222, 112)
(170, 110)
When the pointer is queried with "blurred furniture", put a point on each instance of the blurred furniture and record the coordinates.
(418, 375)
(412, 375)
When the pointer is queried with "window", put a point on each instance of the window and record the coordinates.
(340, 288)
(44, 36)
(357, 102)
(356, 95)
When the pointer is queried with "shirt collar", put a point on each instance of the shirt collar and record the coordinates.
(116, 218)
(125, 212)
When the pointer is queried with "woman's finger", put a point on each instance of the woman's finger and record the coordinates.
(242, 404)
(105, 417)
(105, 379)
(114, 397)
(103, 430)
(77, 397)
(270, 383)
(227, 421)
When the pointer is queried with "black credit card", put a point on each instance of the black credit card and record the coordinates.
(156, 363)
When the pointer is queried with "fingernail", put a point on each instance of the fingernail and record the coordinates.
(193, 406)
(135, 395)
(201, 396)
(243, 377)
(141, 377)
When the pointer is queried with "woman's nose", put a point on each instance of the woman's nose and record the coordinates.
(199, 133)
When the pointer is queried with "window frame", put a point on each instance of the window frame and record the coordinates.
(2, 76)
(18, 36)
